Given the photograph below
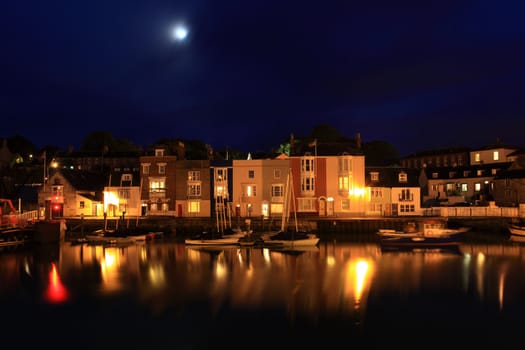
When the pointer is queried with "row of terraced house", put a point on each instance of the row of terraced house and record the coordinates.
(328, 182)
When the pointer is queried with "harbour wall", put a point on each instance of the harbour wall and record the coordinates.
(324, 227)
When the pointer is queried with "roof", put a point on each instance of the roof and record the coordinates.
(83, 180)
(389, 177)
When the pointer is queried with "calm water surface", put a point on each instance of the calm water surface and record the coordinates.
(167, 295)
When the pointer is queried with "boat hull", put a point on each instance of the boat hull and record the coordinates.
(290, 239)
(213, 241)
(517, 230)
(427, 242)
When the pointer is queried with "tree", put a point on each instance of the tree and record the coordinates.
(326, 133)
(103, 141)
(379, 153)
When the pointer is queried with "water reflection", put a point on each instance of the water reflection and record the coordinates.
(356, 284)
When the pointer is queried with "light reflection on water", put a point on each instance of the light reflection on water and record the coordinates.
(339, 288)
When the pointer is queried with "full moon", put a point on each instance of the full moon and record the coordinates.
(180, 32)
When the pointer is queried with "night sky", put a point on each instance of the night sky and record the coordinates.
(417, 74)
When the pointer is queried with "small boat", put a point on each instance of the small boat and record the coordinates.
(203, 240)
(290, 237)
(426, 233)
(105, 236)
(15, 236)
(216, 238)
(516, 230)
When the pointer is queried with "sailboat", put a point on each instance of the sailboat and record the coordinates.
(290, 235)
(224, 234)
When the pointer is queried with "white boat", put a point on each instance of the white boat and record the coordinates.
(233, 240)
(228, 237)
(112, 237)
(289, 236)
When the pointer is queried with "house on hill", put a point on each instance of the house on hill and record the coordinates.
(72, 192)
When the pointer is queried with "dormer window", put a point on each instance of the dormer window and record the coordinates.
(403, 177)
(159, 152)
(161, 168)
(374, 176)
(125, 180)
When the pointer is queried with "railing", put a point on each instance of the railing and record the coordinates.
(18, 220)
(473, 212)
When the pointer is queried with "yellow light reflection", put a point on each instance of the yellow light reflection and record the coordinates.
(157, 276)
(501, 289)
(360, 278)
(266, 255)
(480, 273)
(220, 267)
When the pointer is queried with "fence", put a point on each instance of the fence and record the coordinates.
(510, 212)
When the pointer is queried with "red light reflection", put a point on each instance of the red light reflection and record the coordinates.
(56, 292)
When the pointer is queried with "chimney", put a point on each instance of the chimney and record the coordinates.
(181, 151)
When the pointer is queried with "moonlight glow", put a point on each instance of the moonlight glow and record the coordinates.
(180, 32)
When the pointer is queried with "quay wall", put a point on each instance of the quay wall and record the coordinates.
(325, 227)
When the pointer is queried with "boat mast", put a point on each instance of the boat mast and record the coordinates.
(292, 199)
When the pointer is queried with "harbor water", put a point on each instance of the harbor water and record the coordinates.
(163, 294)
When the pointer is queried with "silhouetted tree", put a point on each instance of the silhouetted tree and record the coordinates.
(379, 153)
(103, 141)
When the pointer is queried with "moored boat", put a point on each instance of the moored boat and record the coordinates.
(290, 235)
(516, 230)
(110, 236)
(426, 233)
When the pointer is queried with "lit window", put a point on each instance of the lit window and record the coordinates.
(495, 155)
(194, 207)
(157, 186)
(344, 183)
(194, 175)
(194, 190)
